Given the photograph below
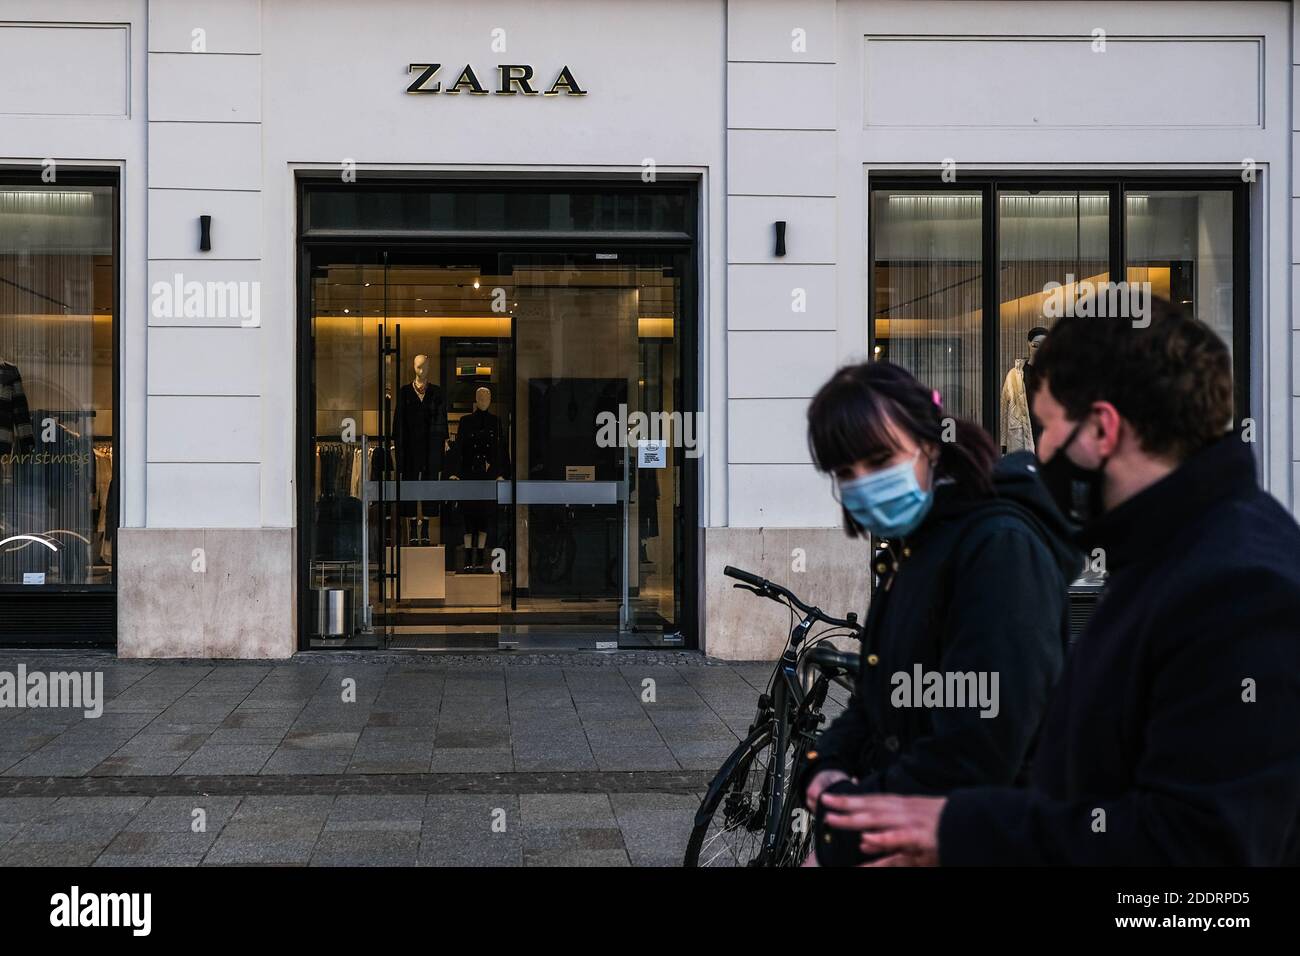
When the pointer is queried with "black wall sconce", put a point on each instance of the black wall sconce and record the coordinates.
(780, 237)
(205, 233)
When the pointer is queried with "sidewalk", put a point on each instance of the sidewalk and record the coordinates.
(489, 760)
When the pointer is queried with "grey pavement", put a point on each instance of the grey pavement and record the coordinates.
(371, 759)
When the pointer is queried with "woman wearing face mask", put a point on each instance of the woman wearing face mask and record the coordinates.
(968, 622)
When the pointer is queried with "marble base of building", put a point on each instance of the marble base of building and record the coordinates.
(823, 566)
(204, 593)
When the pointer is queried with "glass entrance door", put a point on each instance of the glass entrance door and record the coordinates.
(577, 375)
(522, 439)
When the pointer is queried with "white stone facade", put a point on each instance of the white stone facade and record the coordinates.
(725, 93)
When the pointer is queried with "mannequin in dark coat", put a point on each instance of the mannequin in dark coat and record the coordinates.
(420, 432)
(480, 455)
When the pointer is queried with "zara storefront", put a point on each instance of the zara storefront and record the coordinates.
(337, 325)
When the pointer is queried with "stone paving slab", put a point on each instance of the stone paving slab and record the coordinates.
(380, 759)
(550, 829)
(323, 715)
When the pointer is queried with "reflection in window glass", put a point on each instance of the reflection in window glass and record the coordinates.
(1044, 236)
(929, 290)
(57, 514)
(1180, 240)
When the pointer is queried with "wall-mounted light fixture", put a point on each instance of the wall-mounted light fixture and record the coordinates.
(780, 237)
(205, 233)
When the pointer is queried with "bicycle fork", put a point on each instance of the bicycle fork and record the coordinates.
(774, 835)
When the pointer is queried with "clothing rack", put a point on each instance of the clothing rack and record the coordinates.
(341, 466)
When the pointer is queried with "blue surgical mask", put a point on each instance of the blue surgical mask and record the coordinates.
(889, 503)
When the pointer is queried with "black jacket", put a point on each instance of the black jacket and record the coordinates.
(480, 450)
(420, 432)
(980, 587)
(1149, 733)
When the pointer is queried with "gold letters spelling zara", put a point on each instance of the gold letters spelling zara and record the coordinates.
(512, 79)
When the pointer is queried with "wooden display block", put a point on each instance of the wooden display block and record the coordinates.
(474, 590)
(424, 573)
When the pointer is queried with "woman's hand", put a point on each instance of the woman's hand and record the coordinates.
(905, 828)
(820, 782)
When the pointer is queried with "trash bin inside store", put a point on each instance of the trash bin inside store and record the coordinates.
(333, 612)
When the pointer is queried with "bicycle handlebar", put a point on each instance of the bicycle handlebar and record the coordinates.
(741, 575)
(772, 590)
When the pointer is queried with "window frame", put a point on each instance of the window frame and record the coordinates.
(87, 176)
(1118, 186)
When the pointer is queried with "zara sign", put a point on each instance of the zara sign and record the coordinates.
(512, 79)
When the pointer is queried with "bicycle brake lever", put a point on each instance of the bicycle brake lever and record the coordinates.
(749, 587)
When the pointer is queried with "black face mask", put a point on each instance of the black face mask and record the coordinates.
(1076, 490)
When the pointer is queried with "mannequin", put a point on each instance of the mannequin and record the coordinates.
(480, 446)
(15, 418)
(420, 434)
(1019, 429)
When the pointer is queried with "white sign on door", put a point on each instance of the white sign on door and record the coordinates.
(651, 453)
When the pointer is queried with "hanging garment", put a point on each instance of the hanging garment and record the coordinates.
(15, 417)
(354, 486)
(67, 475)
(1017, 429)
(338, 514)
(103, 550)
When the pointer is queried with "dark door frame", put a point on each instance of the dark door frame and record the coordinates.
(688, 572)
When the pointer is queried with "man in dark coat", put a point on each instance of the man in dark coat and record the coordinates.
(1174, 735)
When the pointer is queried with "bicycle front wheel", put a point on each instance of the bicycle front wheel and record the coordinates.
(732, 824)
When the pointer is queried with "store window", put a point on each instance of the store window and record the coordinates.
(929, 290)
(57, 310)
(1181, 241)
(962, 273)
(1046, 237)
(961, 276)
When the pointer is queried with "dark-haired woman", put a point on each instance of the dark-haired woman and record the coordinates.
(968, 623)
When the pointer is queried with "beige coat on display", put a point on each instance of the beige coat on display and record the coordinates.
(1017, 435)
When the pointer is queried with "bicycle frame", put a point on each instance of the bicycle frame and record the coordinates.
(788, 716)
(787, 701)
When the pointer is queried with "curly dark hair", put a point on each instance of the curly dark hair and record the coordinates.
(848, 421)
(1171, 380)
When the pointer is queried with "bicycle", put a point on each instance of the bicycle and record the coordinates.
(757, 825)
